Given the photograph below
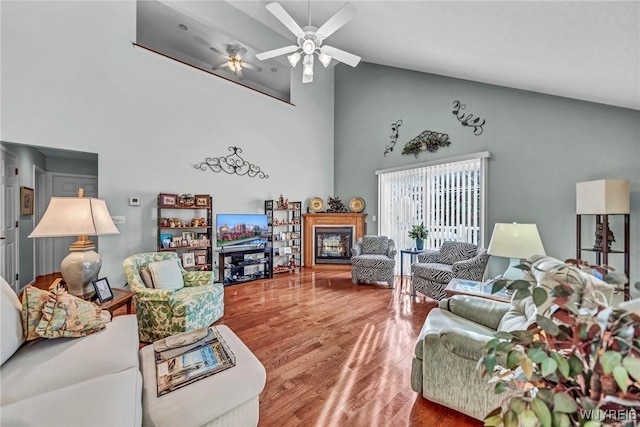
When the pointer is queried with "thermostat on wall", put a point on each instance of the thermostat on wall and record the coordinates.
(135, 201)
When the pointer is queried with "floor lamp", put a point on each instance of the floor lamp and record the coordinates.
(516, 242)
(82, 217)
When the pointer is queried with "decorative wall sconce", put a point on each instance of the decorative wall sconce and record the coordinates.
(232, 164)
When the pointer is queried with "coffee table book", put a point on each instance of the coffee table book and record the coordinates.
(179, 366)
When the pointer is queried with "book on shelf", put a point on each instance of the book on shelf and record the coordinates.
(189, 357)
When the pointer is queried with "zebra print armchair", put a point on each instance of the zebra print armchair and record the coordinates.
(434, 269)
(373, 260)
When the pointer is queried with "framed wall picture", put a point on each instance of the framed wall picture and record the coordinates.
(168, 200)
(202, 200)
(188, 260)
(26, 201)
(188, 235)
(103, 290)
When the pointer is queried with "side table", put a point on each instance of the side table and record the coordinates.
(475, 288)
(413, 253)
(120, 298)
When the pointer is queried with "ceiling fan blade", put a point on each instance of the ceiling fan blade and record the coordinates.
(276, 52)
(286, 19)
(225, 64)
(213, 49)
(341, 17)
(242, 52)
(251, 66)
(239, 74)
(341, 55)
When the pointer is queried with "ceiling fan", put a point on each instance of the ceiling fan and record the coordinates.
(310, 40)
(235, 61)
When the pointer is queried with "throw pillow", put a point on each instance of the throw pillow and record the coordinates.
(451, 252)
(11, 325)
(33, 301)
(146, 278)
(67, 316)
(166, 274)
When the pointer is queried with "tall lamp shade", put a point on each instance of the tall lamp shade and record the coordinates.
(602, 197)
(82, 217)
(516, 242)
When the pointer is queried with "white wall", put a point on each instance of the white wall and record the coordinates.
(71, 79)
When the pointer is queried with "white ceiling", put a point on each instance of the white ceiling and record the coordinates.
(587, 50)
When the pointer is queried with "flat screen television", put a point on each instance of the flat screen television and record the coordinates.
(241, 229)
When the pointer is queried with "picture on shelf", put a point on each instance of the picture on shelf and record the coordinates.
(165, 240)
(295, 235)
(201, 260)
(202, 200)
(168, 200)
(188, 260)
(103, 290)
(188, 235)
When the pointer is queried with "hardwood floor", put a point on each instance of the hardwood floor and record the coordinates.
(335, 354)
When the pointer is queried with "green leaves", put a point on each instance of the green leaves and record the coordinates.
(539, 296)
(564, 403)
(621, 377)
(632, 364)
(490, 362)
(609, 360)
(542, 412)
(563, 364)
(548, 366)
(547, 325)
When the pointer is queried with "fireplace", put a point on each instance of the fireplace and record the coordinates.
(328, 238)
(333, 244)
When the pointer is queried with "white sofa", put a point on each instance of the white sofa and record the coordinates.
(90, 381)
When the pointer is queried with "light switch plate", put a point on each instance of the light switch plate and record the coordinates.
(118, 219)
(135, 201)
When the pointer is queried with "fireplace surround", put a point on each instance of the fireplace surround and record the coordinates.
(332, 227)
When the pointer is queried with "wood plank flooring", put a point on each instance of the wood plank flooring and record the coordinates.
(335, 354)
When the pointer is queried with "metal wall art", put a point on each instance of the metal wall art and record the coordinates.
(394, 137)
(467, 119)
(427, 141)
(232, 164)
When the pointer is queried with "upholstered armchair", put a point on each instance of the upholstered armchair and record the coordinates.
(453, 337)
(192, 302)
(434, 269)
(373, 260)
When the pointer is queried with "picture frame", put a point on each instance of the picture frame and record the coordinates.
(103, 290)
(201, 260)
(168, 200)
(188, 235)
(26, 200)
(188, 260)
(202, 200)
(295, 235)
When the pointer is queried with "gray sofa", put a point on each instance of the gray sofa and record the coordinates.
(452, 338)
(89, 381)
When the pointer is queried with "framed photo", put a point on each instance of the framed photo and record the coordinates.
(168, 200)
(26, 201)
(165, 240)
(295, 235)
(201, 260)
(202, 200)
(188, 260)
(103, 290)
(188, 235)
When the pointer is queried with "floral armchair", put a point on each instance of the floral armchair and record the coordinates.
(373, 260)
(434, 269)
(165, 312)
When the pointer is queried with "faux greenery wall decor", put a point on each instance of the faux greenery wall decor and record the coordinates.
(426, 141)
(579, 366)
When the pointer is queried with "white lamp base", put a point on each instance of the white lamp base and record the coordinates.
(79, 269)
(513, 273)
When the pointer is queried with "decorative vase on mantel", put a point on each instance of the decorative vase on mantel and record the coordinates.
(419, 244)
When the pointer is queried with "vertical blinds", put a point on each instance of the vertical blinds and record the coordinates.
(447, 197)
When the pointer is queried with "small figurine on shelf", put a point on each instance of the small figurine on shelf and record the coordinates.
(292, 263)
(280, 202)
(286, 204)
(599, 245)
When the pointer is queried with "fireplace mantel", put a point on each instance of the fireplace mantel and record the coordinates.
(311, 220)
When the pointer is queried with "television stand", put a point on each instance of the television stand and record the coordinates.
(244, 265)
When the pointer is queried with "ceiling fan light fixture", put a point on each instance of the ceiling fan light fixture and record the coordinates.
(308, 46)
(325, 59)
(307, 65)
(294, 58)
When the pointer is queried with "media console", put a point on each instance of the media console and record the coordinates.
(238, 265)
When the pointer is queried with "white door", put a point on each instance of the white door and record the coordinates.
(8, 218)
(66, 185)
(40, 187)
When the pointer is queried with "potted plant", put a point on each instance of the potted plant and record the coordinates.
(579, 366)
(419, 233)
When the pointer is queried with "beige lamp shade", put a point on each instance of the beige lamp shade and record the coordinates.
(75, 216)
(515, 241)
(602, 197)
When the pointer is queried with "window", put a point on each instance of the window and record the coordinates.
(447, 196)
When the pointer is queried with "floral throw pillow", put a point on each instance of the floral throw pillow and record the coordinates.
(33, 301)
(67, 316)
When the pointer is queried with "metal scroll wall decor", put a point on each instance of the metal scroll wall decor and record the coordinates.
(467, 119)
(394, 137)
(427, 141)
(232, 164)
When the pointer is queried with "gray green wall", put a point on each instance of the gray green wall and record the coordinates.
(542, 146)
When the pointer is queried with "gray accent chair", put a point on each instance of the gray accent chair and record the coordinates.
(434, 269)
(451, 341)
(373, 260)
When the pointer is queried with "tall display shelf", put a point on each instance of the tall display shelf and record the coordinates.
(185, 226)
(284, 221)
(602, 256)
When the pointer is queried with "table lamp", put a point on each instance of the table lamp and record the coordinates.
(516, 242)
(82, 217)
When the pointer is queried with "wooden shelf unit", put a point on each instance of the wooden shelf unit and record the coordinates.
(285, 231)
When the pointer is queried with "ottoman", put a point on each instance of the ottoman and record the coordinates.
(228, 398)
